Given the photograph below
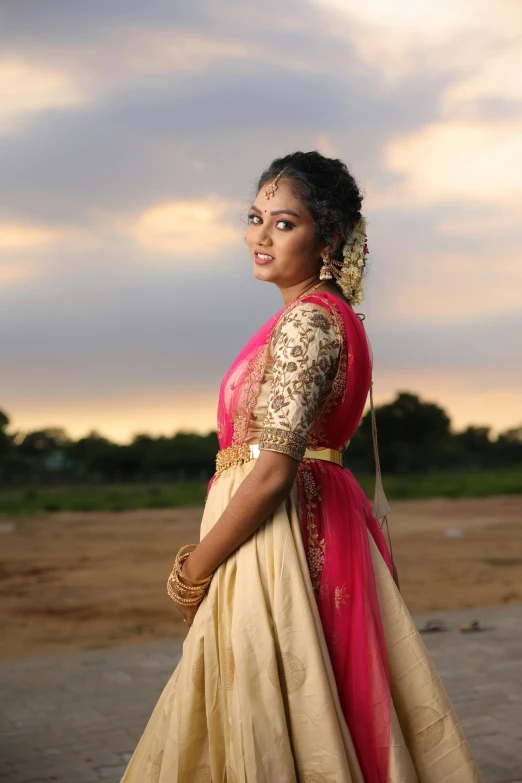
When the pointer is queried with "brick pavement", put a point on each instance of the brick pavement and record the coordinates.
(75, 718)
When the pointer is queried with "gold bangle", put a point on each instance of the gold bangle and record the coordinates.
(174, 577)
(187, 546)
(174, 581)
(202, 584)
(184, 548)
(197, 582)
(180, 600)
(186, 595)
(182, 591)
(180, 559)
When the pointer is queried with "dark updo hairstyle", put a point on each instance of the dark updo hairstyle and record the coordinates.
(326, 187)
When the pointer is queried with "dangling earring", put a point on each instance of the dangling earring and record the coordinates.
(325, 273)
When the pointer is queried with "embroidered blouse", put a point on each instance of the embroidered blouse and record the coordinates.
(301, 367)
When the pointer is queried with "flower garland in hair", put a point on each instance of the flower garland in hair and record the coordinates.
(348, 271)
(355, 251)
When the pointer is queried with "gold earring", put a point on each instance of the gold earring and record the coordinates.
(325, 273)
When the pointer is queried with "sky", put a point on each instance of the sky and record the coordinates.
(131, 136)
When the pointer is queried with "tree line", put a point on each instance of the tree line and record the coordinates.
(414, 437)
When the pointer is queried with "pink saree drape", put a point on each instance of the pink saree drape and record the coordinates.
(335, 520)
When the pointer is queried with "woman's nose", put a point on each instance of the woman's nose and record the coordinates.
(263, 235)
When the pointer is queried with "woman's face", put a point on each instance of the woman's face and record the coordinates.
(281, 238)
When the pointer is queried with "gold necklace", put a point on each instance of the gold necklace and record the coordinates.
(311, 290)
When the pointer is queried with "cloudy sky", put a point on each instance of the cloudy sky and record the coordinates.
(131, 135)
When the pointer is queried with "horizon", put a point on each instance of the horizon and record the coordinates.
(127, 438)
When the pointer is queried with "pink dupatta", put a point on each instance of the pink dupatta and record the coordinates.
(335, 519)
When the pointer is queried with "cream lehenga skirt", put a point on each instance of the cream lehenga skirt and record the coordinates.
(254, 698)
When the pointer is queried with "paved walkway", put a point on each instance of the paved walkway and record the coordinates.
(75, 718)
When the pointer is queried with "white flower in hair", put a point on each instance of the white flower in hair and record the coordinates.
(354, 252)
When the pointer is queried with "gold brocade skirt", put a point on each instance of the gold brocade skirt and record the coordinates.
(254, 700)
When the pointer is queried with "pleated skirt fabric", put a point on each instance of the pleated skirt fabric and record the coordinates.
(254, 698)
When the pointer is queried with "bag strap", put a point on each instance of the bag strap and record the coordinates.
(381, 507)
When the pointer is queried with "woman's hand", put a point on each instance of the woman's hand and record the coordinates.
(188, 613)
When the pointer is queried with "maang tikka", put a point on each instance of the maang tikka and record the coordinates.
(271, 189)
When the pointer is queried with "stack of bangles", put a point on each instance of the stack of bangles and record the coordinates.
(190, 594)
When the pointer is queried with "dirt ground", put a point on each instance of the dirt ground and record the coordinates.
(72, 581)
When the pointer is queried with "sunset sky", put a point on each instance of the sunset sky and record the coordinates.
(131, 135)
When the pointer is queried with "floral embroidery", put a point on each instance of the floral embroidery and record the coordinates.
(319, 320)
(323, 364)
(286, 442)
(306, 346)
(315, 545)
(251, 384)
(341, 596)
(317, 435)
(278, 402)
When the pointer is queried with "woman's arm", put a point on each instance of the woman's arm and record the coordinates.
(262, 491)
(306, 357)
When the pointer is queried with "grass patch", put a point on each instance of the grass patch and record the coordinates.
(115, 497)
(137, 629)
(123, 497)
(502, 561)
(474, 484)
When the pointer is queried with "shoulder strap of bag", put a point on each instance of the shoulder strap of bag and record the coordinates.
(381, 507)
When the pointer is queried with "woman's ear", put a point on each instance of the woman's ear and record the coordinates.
(332, 246)
(336, 242)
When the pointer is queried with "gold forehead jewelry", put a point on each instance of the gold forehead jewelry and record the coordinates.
(271, 189)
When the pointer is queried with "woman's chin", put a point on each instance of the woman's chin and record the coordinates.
(262, 273)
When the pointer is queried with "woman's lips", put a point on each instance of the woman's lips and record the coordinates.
(263, 258)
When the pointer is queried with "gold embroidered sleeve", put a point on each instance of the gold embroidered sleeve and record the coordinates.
(305, 348)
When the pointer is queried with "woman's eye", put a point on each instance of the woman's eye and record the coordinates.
(284, 225)
(255, 219)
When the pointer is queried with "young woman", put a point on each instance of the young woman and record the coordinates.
(302, 662)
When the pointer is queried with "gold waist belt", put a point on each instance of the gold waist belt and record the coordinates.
(238, 455)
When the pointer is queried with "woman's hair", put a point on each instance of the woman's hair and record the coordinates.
(326, 187)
